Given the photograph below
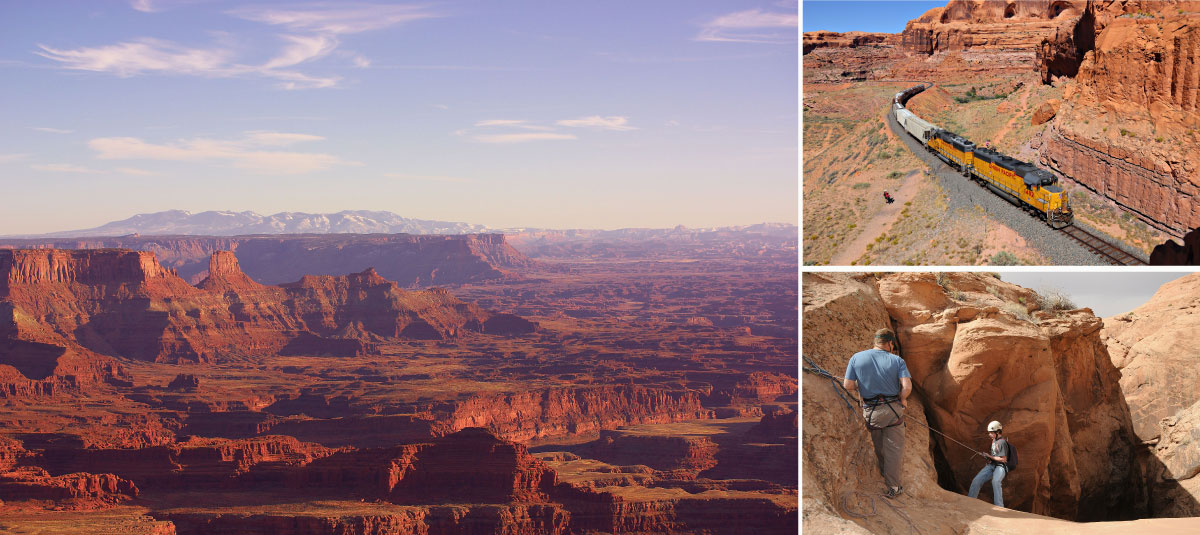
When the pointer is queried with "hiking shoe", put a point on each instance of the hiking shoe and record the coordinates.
(894, 492)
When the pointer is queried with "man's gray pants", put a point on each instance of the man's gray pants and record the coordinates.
(889, 441)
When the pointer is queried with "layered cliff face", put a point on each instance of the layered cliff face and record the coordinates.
(469, 481)
(410, 260)
(63, 308)
(998, 37)
(815, 40)
(978, 352)
(1127, 126)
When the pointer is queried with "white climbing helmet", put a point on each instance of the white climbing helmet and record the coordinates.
(994, 426)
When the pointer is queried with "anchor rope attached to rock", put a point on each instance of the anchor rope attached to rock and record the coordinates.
(837, 387)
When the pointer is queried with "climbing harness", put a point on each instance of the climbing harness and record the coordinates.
(873, 403)
(815, 369)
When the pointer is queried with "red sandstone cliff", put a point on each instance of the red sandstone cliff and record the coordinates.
(1127, 126)
(410, 260)
(62, 311)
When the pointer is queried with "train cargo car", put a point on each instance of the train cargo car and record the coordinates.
(915, 126)
(1024, 184)
(953, 148)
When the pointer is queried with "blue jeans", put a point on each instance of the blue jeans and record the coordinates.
(995, 473)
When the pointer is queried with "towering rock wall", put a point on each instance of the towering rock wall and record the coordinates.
(1127, 126)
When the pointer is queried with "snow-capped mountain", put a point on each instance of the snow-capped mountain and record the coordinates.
(221, 223)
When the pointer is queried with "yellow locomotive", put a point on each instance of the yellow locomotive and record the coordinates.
(1024, 184)
(1032, 188)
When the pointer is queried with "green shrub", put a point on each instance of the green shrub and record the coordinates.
(1004, 258)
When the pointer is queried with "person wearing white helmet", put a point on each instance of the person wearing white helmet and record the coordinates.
(996, 468)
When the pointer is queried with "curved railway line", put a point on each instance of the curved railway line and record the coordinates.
(1106, 250)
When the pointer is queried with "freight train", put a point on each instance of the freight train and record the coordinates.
(1024, 184)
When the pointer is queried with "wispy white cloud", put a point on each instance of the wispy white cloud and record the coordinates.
(595, 121)
(523, 138)
(752, 26)
(500, 122)
(145, 6)
(247, 153)
(52, 130)
(335, 18)
(440, 106)
(316, 36)
(430, 178)
(65, 168)
(155, 56)
(302, 48)
(144, 55)
(542, 132)
(513, 123)
(7, 158)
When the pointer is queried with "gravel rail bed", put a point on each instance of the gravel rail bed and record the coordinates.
(962, 193)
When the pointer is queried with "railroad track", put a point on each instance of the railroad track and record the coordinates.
(1102, 248)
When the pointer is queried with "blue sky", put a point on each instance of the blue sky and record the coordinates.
(506, 114)
(887, 16)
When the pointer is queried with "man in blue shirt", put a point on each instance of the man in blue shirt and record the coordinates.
(884, 383)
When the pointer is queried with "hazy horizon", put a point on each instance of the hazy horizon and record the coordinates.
(193, 213)
(596, 116)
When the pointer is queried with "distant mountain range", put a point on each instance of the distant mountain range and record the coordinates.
(214, 223)
(223, 223)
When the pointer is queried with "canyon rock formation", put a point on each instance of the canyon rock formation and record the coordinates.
(978, 351)
(656, 393)
(994, 36)
(409, 260)
(64, 311)
(1127, 125)
(1153, 346)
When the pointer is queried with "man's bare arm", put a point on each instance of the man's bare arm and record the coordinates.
(905, 390)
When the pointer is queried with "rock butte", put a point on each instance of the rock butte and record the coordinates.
(979, 349)
(635, 396)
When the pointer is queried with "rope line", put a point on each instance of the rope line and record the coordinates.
(837, 387)
(824, 373)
